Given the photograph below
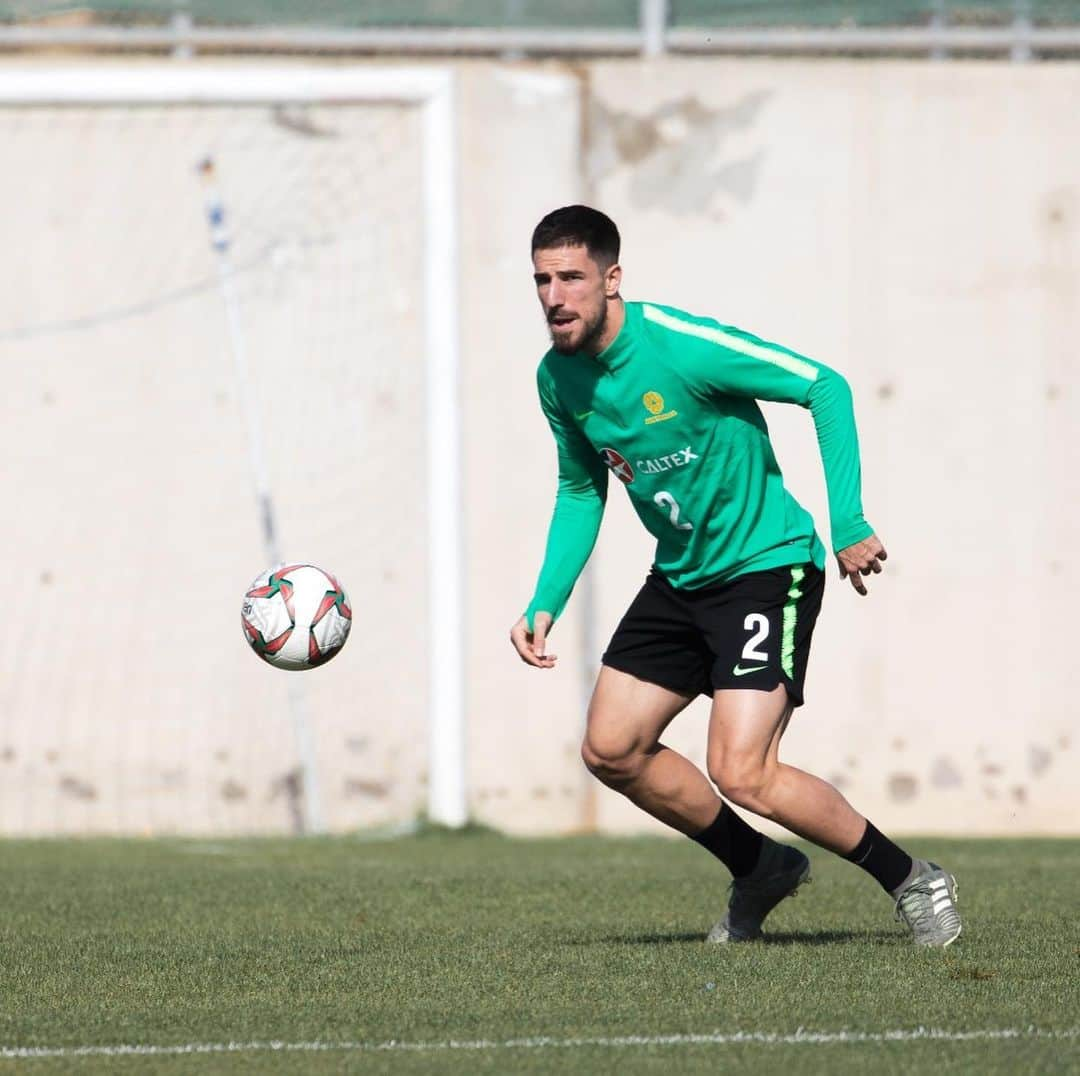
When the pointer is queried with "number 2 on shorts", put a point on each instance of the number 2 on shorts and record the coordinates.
(761, 623)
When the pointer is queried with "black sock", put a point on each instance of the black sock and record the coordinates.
(733, 842)
(882, 859)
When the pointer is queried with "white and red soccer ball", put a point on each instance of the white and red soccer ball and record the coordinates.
(296, 616)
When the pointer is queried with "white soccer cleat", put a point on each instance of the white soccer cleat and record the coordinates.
(928, 907)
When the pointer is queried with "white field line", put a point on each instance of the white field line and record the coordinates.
(761, 1038)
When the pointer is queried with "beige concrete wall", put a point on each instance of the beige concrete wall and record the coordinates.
(918, 227)
(128, 702)
(914, 225)
(520, 156)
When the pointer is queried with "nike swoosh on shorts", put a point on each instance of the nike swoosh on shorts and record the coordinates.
(740, 671)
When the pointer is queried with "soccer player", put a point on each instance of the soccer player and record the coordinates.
(666, 402)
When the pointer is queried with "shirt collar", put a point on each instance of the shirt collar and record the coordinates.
(618, 351)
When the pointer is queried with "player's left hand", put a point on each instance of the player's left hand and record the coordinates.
(861, 559)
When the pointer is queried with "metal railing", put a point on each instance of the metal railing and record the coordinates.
(183, 36)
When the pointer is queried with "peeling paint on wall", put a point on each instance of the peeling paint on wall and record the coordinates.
(1039, 759)
(76, 788)
(233, 792)
(903, 787)
(678, 155)
(359, 786)
(944, 774)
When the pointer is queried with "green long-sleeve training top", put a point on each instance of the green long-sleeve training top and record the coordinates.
(669, 407)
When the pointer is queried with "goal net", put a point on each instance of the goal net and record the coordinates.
(129, 701)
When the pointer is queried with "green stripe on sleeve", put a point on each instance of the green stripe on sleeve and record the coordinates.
(793, 365)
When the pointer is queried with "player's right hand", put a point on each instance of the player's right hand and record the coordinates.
(532, 645)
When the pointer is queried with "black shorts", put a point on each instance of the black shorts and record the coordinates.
(753, 632)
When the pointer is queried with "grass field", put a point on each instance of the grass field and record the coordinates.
(386, 952)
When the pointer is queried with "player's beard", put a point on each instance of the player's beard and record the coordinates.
(593, 332)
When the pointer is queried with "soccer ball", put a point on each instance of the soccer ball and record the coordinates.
(296, 616)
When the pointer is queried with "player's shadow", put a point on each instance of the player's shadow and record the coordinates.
(831, 937)
(650, 939)
(782, 937)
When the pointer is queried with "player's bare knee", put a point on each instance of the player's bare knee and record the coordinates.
(745, 782)
(717, 767)
(610, 761)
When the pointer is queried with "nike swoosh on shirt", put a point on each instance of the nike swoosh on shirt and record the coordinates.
(740, 671)
(581, 416)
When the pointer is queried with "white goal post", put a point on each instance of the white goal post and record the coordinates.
(431, 89)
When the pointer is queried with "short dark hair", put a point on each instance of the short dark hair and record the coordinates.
(579, 226)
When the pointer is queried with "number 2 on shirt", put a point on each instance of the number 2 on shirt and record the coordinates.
(665, 500)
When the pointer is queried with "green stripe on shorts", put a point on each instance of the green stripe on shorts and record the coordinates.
(791, 612)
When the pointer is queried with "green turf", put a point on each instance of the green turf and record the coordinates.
(439, 937)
